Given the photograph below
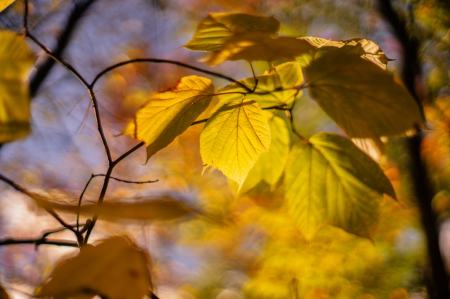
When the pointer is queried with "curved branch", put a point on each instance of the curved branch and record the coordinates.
(154, 60)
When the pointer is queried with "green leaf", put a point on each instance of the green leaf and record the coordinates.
(212, 31)
(360, 97)
(270, 165)
(258, 46)
(365, 48)
(275, 87)
(234, 138)
(5, 3)
(114, 269)
(330, 181)
(168, 114)
(16, 61)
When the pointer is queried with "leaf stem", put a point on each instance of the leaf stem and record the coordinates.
(290, 115)
(254, 77)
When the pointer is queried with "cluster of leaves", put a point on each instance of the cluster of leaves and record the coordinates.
(327, 179)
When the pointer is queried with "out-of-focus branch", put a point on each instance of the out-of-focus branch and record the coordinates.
(48, 209)
(438, 282)
(63, 40)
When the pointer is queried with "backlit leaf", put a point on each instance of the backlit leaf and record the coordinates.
(4, 4)
(234, 138)
(360, 97)
(270, 165)
(212, 31)
(330, 181)
(114, 269)
(259, 46)
(168, 114)
(16, 61)
(275, 88)
(365, 48)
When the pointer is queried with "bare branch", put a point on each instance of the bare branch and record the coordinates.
(154, 60)
(63, 40)
(37, 242)
(48, 209)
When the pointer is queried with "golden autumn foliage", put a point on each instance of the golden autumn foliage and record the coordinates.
(245, 205)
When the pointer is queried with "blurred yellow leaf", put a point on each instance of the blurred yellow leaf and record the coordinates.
(114, 269)
(168, 114)
(259, 46)
(16, 60)
(361, 98)
(365, 48)
(212, 31)
(5, 3)
(233, 139)
(162, 209)
(275, 87)
(399, 293)
(330, 181)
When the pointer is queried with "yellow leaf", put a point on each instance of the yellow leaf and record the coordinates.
(212, 31)
(5, 3)
(270, 165)
(16, 60)
(233, 139)
(160, 209)
(365, 48)
(361, 98)
(259, 46)
(114, 269)
(330, 181)
(168, 114)
(275, 87)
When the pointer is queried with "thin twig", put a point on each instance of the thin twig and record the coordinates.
(100, 201)
(67, 65)
(128, 153)
(291, 118)
(63, 40)
(80, 200)
(48, 209)
(127, 181)
(37, 242)
(99, 125)
(154, 60)
(48, 233)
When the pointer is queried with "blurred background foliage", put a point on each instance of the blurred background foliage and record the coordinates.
(250, 248)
